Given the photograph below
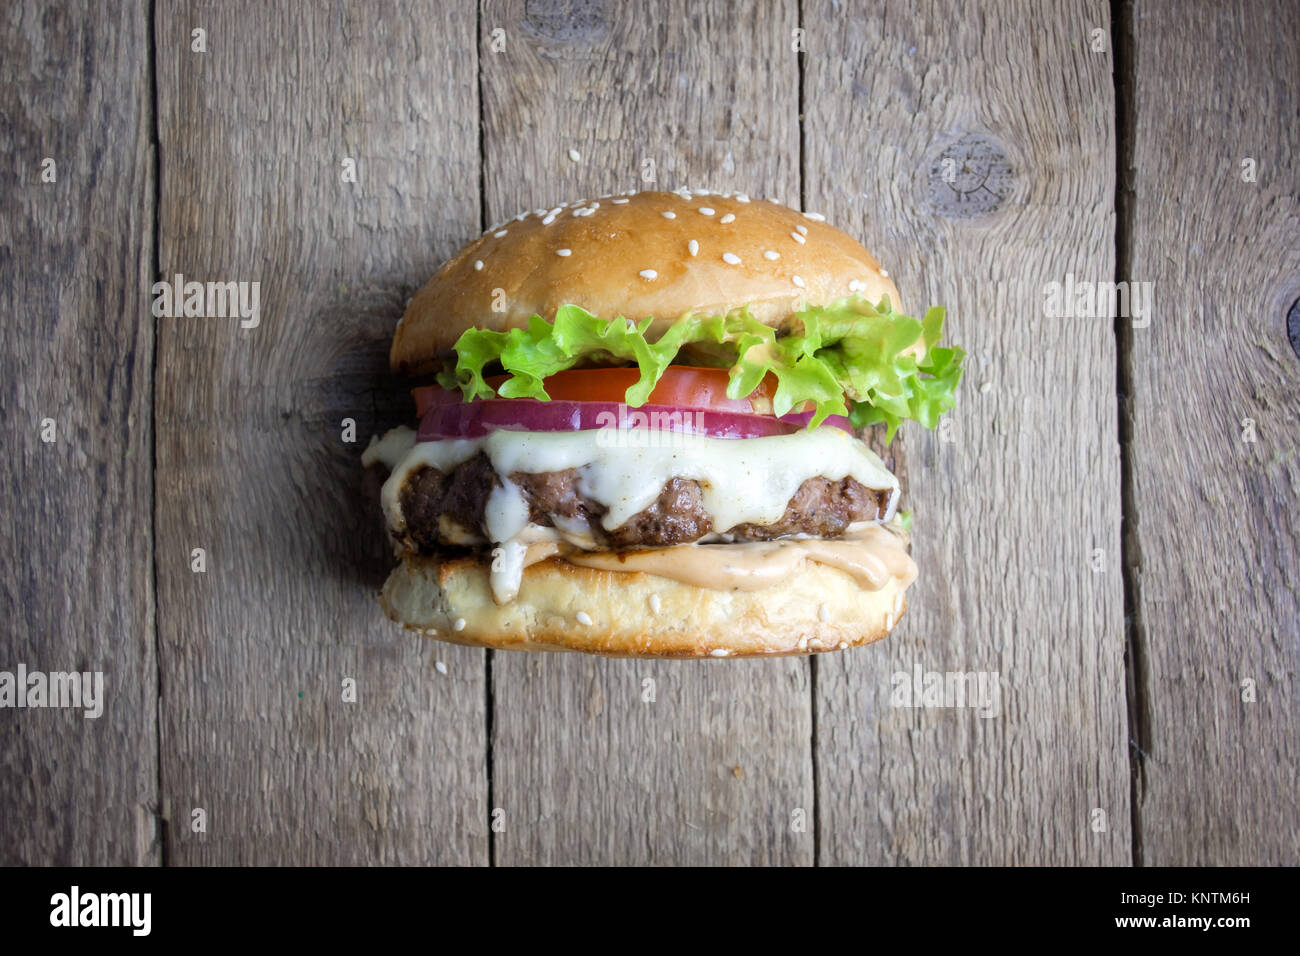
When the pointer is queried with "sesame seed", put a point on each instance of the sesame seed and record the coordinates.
(583, 618)
(797, 281)
(478, 265)
(706, 210)
(459, 625)
(798, 238)
(741, 197)
(731, 259)
(855, 285)
(648, 274)
(655, 603)
(719, 652)
(668, 214)
(499, 234)
(803, 642)
(986, 388)
(440, 667)
(823, 613)
(802, 230)
(564, 252)
(727, 218)
(884, 273)
(702, 192)
(694, 247)
(548, 220)
(771, 254)
(844, 645)
(618, 202)
(575, 156)
(815, 216)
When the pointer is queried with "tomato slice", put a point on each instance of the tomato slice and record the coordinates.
(682, 386)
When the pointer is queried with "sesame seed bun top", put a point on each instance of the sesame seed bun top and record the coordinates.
(650, 254)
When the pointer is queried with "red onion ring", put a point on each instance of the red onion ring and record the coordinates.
(476, 419)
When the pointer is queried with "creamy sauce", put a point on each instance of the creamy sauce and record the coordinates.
(872, 556)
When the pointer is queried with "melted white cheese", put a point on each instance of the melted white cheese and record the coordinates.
(442, 455)
(507, 570)
(742, 481)
(389, 450)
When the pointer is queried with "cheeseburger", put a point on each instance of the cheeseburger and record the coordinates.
(639, 433)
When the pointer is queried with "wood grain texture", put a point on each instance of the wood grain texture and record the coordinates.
(586, 769)
(251, 462)
(76, 346)
(1015, 494)
(1217, 537)
(1017, 503)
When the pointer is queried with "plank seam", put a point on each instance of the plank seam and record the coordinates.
(488, 703)
(812, 658)
(1135, 683)
(160, 813)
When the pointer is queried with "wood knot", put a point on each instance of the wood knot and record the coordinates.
(970, 177)
(567, 21)
(1293, 326)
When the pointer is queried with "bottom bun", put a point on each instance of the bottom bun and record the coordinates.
(563, 607)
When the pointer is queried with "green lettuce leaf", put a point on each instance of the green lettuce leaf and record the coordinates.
(846, 358)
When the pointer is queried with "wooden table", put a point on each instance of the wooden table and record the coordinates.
(1108, 523)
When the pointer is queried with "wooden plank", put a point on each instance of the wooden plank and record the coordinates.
(1012, 499)
(76, 347)
(1215, 399)
(252, 466)
(585, 771)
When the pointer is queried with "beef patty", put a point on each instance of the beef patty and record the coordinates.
(821, 506)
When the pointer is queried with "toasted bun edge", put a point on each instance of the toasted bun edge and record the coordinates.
(564, 607)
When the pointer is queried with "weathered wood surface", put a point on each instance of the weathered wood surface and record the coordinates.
(251, 463)
(1018, 503)
(585, 768)
(1014, 494)
(1215, 404)
(76, 347)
